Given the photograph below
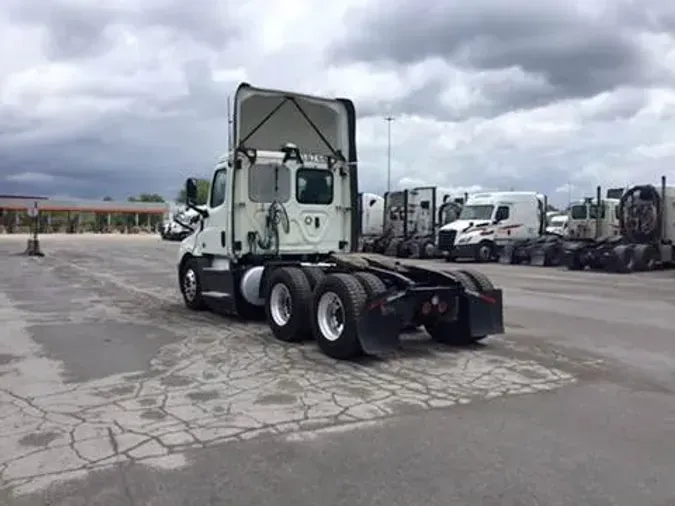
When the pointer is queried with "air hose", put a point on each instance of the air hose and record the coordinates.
(275, 217)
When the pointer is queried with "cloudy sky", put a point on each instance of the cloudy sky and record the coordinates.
(114, 98)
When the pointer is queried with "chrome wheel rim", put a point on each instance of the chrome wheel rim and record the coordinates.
(330, 316)
(280, 304)
(190, 285)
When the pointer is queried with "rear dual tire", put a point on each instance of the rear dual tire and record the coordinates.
(457, 332)
(336, 309)
(287, 304)
(305, 303)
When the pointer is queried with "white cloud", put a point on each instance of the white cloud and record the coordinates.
(30, 178)
(133, 97)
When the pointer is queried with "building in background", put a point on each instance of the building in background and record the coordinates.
(75, 215)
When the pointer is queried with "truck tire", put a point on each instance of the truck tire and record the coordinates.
(314, 275)
(480, 280)
(485, 252)
(404, 249)
(413, 249)
(287, 300)
(336, 308)
(370, 283)
(645, 256)
(429, 249)
(624, 260)
(554, 254)
(191, 285)
(454, 333)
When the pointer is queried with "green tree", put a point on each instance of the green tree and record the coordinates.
(202, 193)
(147, 197)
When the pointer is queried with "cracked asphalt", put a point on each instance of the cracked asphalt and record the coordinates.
(112, 393)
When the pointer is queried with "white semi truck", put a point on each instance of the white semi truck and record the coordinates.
(280, 230)
(586, 222)
(642, 240)
(371, 209)
(411, 220)
(489, 222)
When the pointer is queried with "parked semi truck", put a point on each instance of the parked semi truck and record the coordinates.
(489, 222)
(279, 235)
(410, 221)
(587, 222)
(411, 216)
(643, 239)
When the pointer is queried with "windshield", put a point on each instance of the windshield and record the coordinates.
(483, 212)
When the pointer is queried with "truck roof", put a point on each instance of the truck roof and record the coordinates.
(265, 118)
(516, 196)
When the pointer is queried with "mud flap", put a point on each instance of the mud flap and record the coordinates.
(381, 323)
(386, 314)
(506, 254)
(486, 313)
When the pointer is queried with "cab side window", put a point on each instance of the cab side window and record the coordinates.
(218, 188)
(502, 213)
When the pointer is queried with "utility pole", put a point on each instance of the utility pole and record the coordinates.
(229, 124)
(389, 119)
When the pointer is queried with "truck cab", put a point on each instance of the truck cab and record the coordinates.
(584, 221)
(278, 235)
(270, 194)
(489, 221)
(557, 224)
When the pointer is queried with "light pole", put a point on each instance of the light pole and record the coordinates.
(389, 119)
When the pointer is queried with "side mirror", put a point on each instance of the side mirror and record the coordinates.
(191, 191)
(191, 197)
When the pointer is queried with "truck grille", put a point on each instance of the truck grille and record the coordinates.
(446, 239)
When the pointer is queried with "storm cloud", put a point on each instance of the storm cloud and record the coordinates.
(126, 97)
(523, 54)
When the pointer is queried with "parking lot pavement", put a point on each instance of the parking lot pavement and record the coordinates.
(111, 391)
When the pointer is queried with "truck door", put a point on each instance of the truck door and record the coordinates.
(318, 212)
(503, 219)
(213, 238)
(594, 231)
